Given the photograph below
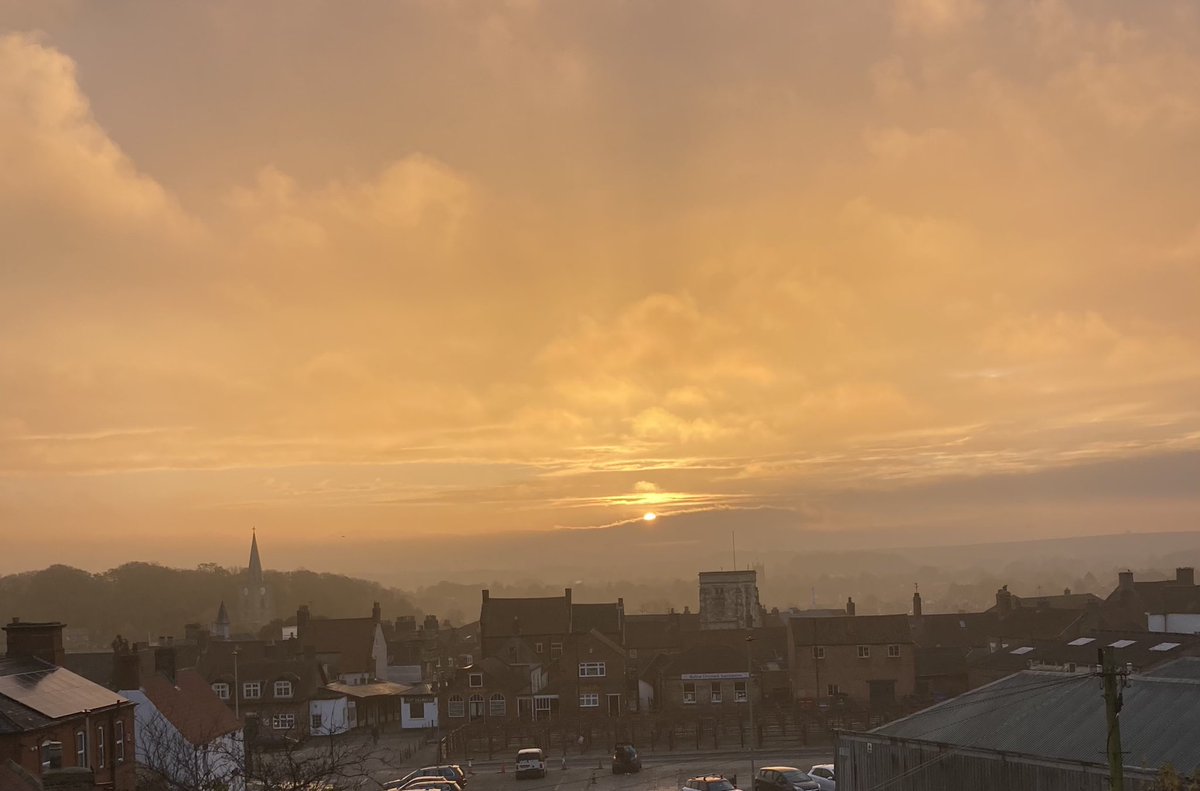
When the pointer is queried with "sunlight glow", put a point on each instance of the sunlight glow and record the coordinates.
(649, 516)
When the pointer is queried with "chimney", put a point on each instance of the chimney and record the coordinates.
(127, 666)
(37, 640)
(516, 625)
(164, 661)
(376, 612)
(1066, 591)
(302, 617)
(406, 624)
(431, 623)
(1185, 575)
(1004, 602)
(850, 608)
(486, 594)
(1125, 580)
(917, 603)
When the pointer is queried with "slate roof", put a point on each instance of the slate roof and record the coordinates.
(1140, 649)
(960, 630)
(40, 688)
(604, 618)
(1184, 668)
(1158, 596)
(707, 659)
(191, 706)
(1025, 712)
(352, 638)
(525, 616)
(852, 630)
(661, 630)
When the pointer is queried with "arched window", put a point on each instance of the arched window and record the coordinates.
(475, 706)
(496, 705)
(456, 708)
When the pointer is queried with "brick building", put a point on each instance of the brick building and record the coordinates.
(52, 719)
(869, 660)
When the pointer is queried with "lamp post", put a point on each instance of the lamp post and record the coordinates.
(750, 699)
(237, 709)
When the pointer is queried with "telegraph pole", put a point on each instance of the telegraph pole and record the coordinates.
(750, 700)
(1114, 683)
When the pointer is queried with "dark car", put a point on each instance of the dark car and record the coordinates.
(784, 778)
(625, 759)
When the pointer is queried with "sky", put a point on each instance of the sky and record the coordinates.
(370, 272)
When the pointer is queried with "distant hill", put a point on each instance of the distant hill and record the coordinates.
(141, 600)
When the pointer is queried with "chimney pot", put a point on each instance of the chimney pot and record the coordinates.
(1125, 580)
(851, 609)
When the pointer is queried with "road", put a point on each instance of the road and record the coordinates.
(659, 772)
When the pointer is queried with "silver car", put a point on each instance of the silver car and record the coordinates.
(823, 775)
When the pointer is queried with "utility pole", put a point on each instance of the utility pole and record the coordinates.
(1114, 682)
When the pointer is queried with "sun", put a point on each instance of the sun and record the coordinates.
(649, 516)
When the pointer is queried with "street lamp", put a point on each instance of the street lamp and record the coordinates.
(750, 699)
(237, 709)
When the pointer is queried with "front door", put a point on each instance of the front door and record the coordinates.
(614, 704)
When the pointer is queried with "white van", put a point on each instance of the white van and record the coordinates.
(531, 762)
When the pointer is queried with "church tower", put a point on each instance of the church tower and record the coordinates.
(256, 605)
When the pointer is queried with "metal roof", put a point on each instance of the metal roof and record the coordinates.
(50, 690)
(1061, 716)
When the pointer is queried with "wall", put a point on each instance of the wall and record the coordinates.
(430, 719)
(116, 775)
(1179, 623)
(337, 716)
(842, 666)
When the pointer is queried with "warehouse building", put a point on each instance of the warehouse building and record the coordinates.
(1032, 730)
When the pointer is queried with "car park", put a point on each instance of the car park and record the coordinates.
(823, 774)
(784, 778)
(445, 771)
(531, 762)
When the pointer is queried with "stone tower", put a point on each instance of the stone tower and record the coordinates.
(256, 604)
(729, 600)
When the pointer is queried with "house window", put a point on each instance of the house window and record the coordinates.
(539, 647)
(283, 689)
(456, 708)
(496, 705)
(51, 755)
(222, 690)
(689, 692)
(100, 747)
(81, 748)
(543, 704)
(864, 652)
(555, 650)
(475, 706)
(314, 722)
(739, 692)
(714, 696)
(591, 670)
(120, 742)
(893, 651)
(283, 722)
(589, 700)
(475, 679)
(416, 709)
(818, 652)
(252, 690)
(834, 690)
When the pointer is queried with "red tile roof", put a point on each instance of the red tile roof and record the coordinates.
(191, 706)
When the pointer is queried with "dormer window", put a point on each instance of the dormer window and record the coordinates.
(475, 679)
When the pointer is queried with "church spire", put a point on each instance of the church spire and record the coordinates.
(256, 572)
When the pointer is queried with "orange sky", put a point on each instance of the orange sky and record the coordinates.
(399, 268)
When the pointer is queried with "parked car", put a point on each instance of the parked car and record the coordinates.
(432, 784)
(625, 759)
(531, 762)
(711, 783)
(823, 774)
(784, 778)
(448, 771)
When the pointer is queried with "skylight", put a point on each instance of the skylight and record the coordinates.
(1164, 646)
(1082, 641)
(1025, 649)
(1122, 643)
